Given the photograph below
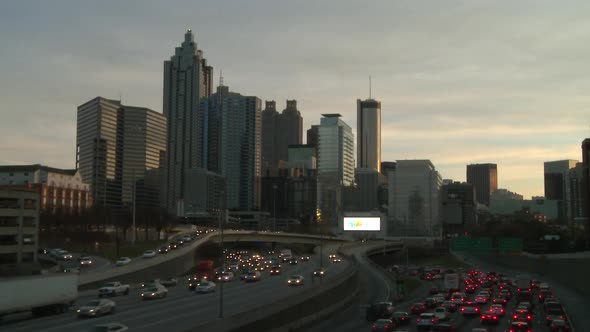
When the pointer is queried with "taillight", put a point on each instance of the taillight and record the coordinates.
(528, 317)
(386, 326)
(374, 326)
(462, 309)
(483, 317)
(515, 317)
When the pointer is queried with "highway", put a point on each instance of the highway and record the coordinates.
(182, 308)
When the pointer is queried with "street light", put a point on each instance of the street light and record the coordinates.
(274, 208)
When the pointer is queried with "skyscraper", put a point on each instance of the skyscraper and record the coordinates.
(279, 130)
(586, 184)
(484, 177)
(233, 144)
(557, 185)
(144, 138)
(98, 150)
(187, 79)
(414, 197)
(368, 114)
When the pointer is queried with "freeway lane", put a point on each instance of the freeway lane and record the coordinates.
(183, 309)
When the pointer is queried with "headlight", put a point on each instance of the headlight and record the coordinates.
(289, 281)
(91, 310)
(78, 310)
(153, 294)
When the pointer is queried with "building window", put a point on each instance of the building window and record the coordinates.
(8, 258)
(11, 174)
(26, 174)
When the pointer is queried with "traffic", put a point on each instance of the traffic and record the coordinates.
(474, 301)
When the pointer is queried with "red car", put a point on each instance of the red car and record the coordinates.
(559, 325)
(418, 308)
(489, 317)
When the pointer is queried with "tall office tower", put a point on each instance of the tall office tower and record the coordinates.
(144, 139)
(270, 146)
(187, 79)
(368, 117)
(335, 165)
(414, 198)
(291, 129)
(586, 184)
(312, 135)
(234, 145)
(98, 149)
(484, 177)
(576, 193)
(557, 184)
(457, 207)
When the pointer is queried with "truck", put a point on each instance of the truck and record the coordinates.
(452, 281)
(285, 254)
(523, 282)
(40, 294)
(205, 270)
(113, 288)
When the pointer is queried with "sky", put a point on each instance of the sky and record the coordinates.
(460, 82)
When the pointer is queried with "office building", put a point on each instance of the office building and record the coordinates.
(540, 208)
(484, 177)
(290, 195)
(302, 156)
(19, 227)
(312, 135)
(458, 207)
(363, 196)
(414, 198)
(368, 115)
(187, 79)
(98, 150)
(503, 194)
(335, 165)
(576, 193)
(144, 138)
(61, 191)
(387, 167)
(557, 184)
(233, 145)
(586, 184)
(279, 130)
(204, 193)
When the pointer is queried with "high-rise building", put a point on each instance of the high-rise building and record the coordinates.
(484, 177)
(576, 193)
(233, 145)
(279, 130)
(586, 184)
(312, 135)
(557, 184)
(187, 79)
(335, 165)
(458, 207)
(98, 150)
(414, 198)
(364, 195)
(368, 115)
(144, 138)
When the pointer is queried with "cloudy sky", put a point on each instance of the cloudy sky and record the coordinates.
(460, 82)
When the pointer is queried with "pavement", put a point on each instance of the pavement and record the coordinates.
(183, 309)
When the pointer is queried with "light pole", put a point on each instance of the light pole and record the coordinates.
(133, 194)
(222, 257)
(274, 207)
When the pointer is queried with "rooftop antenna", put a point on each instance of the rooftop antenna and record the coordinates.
(120, 96)
(370, 87)
(220, 77)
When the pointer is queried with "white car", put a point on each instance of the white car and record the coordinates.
(85, 261)
(226, 276)
(441, 313)
(154, 292)
(206, 287)
(295, 280)
(123, 261)
(109, 327)
(149, 254)
(96, 308)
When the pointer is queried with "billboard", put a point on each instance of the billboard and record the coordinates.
(362, 223)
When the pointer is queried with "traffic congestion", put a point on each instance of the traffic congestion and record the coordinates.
(474, 301)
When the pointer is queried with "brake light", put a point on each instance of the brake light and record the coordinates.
(417, 320)
(540, 296)
(476, 309)
(515, 317)
(495, 317)
(374, 326)
(528, 317)
(386, 326)
(462, 309)
(483, 317)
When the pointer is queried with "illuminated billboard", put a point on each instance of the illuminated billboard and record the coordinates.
(362, 223)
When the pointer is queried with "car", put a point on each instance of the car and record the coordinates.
(401, 318)
(430, 302)
(521, 315)
(332, 256)
(425, 321)
(500, 299)
(252, 276)
(418, 308)
(173, 245)
(479, 329)
(527, 305)
(498, 309)
(206, 287)
(194, 281)
(439, 299)
(149, 254)
(96, 308)
(553, 314)
(163, 249)
(379, 310)
(544, 294)
(169, 282)
(43, 251)
(274, 270)
(150, 283)
(293, 261)
(441, 313)
(443, 327)
(113, 288)
(552, 304)
(123, 261)
(85, 261)
(319, 273)
(225, 276)
(489, 317)
(109, 327)
(481, 300)
(559, 325)
(519, 327)
(336, 260)
(154, 292)
(383, 325)
(304, 258)
(450, 306)
(295, 280)
(470, 308)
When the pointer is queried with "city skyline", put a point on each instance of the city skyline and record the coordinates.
(517, 100)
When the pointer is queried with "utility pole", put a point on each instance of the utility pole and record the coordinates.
(222, 257)
(274, 208)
